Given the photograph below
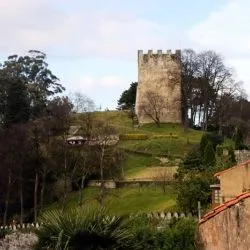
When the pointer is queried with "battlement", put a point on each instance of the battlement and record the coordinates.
(150, 56)
(159, 52)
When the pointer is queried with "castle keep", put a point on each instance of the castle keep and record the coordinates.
(159, 73)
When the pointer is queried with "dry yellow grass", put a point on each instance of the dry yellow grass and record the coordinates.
(155, 173)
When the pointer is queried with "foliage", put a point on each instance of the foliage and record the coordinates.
(209, 156)
(219, 150)
(39, 81)
(17, 108)
(193, 188)
(193, 160)
(86, 228)
(178, 234)
(238, 139)
(127, 98)
(133, 136)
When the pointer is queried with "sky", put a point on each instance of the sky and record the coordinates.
(92, 45)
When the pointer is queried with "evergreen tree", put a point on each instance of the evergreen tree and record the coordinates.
(238, 139)
(209, 159)
(232, 158)
(203, 143)
(193, 161)
(128, 97)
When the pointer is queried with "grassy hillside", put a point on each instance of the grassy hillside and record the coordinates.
(156, 145)
(128, 200)
(168, 146)
(142, 161)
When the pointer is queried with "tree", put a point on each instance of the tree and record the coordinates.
(193, 161)
(155, 106)
(194, 188)
(32, 70)
(209, 155)
(82, 103)
(205, 78)
(189, 69)
(128, 98)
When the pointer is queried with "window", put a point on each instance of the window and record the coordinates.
(217, 197)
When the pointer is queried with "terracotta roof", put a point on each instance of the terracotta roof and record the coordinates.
(224, 206)
(228, 169)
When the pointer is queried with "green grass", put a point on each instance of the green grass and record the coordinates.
(128, 200)
(175, 147)
(134, 163)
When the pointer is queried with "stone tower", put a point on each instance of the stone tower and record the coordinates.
(159, 73)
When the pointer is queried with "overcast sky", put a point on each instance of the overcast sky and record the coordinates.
(92, 45)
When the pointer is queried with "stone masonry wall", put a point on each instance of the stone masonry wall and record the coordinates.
(159, 73)
(228, 230)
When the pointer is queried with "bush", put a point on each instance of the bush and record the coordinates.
(194, 188)
(133, 136)
(179, 234)
(85, 228)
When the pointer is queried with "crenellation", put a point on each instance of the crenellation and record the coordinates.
(150, 52)
(159, 52)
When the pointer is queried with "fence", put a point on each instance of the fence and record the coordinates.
(162, 216)
(16, 227)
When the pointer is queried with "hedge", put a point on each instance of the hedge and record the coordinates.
(133, 136)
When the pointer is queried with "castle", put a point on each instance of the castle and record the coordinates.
(160, 75)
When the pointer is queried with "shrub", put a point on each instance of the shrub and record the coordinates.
(133, 136)
(85, 228)
(179, 234)
(192, 189)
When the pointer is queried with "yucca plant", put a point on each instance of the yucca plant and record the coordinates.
(85, 228)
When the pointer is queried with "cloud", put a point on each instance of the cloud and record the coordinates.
(103, 90)
(80, 32)
(227, 31)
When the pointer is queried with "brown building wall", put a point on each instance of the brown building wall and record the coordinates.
(159, 73)
(234, 181)
(228, 230)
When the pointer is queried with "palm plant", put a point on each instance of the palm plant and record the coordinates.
(85, 228)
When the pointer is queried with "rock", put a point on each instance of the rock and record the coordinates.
(18, 240)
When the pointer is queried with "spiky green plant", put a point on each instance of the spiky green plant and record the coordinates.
(84, 228)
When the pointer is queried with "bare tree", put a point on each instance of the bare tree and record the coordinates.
(82, 103)
(155, 106)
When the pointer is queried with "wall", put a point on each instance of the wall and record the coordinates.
(159, 73)
(234, 181)
(228, 230)
(242, 155)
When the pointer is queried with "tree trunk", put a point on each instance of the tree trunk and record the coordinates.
(101, 175)
(186, 120)
(21, 199)
(35, 198)
(42, 191)
(65, 177)
(7, 199)
(81, 190)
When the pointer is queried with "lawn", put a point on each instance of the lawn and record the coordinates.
(128, 200)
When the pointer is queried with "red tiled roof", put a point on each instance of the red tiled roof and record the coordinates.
(226, 170)
(224, 206)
